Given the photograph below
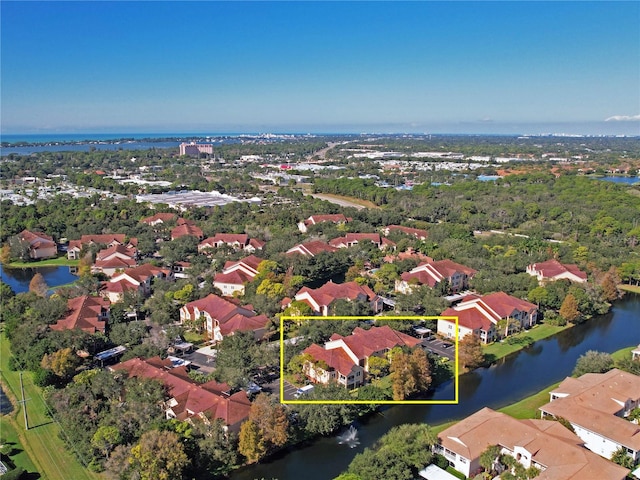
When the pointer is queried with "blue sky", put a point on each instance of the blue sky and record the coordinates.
(460, 67)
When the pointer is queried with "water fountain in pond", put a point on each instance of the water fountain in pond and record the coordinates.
(350, 437)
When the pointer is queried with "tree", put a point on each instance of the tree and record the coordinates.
(378, 366)
(489, 457)
(235, 359)
(411, 373)
(470, 352)
(38, 285)
(569, 309)
(159, 455)
(217, 448)
(62, 362)
(622, 458)
(593, 362)
(106, 438)
(251, 443)
(272, 420)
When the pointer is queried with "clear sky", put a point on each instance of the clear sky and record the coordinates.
(211, 67)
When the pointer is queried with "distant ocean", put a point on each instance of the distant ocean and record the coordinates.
(84, 142)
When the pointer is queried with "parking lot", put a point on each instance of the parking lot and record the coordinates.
(443, 348)
(289, 390)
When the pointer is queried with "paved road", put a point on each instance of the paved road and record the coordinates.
(337, 201)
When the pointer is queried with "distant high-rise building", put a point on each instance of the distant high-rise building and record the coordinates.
(194, 148)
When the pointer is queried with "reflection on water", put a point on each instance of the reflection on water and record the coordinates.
(516, 377)
(18, 278)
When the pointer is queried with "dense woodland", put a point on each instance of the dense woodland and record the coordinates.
(540, 212)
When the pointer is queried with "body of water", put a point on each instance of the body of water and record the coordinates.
(511, 379)
(18, 278)
(627, 180)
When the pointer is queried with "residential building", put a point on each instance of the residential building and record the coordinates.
(114, 259)
(159, 219)
(552, 270)
(433, 272)
(338, 218)
(319, 299)
(481, 315)
(221, 317)
(180, 269)
(186, 229)
(232, 279)
(40, 245)
(413, 232)
(108, 240)
(347, 358)
(311, 249)
(137, 279)
(596, 405)
(188, 400)
(89, 314)
(237, 241)
(549, 446)
(352, 239)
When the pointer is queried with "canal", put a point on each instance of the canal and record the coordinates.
(511, 379)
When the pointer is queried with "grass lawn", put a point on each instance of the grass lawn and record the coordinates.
(622, 354)
(62, 261)
(18, 455)
(630, 288)
(498, 350)
(41, 442)
(528, 407)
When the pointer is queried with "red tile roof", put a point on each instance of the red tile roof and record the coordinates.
(160, 217)
(311, 249)
(553, 268)
(37, 239)
(334, 218)
(230, 317)
(330, 292)
(184, 230)
(416, 232)
(83, 313)
(191, 399)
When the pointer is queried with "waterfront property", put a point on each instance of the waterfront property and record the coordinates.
(345, 360)
(188, 400)
(481, 316)
(40, 245)
(596, 405)
(549, 446)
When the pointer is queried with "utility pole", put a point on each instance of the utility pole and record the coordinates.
(24, 404)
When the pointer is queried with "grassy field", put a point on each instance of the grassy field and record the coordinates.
(630, 288)
(62, 261)
(528, 407)
(497, 350)
(41, 442)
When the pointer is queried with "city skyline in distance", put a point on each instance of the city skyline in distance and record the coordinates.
(321, 67)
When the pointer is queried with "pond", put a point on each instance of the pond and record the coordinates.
(619, 179)
(511, 379)
(18, 278)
